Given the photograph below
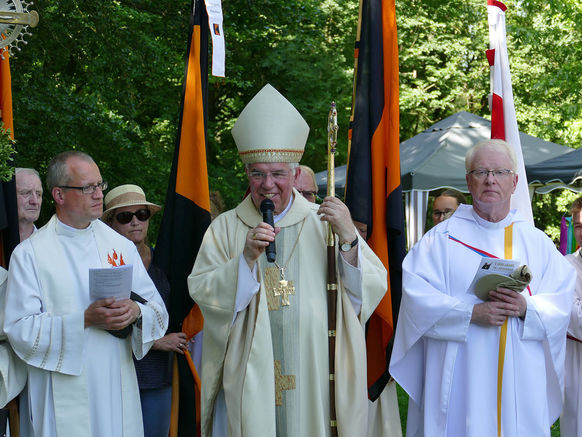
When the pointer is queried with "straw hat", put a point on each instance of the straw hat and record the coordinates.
(126, 195)
(270, 129)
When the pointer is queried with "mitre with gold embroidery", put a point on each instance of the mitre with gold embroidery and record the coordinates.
(270, 129)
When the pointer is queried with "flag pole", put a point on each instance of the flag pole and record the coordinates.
(186, 217)
(504, 127)
(503, 117)
(354, 86)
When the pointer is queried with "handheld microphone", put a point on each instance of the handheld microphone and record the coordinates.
(267, 208)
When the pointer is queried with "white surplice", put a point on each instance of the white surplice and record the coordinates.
(238, 359)
(12, 369)
(571, 418)
(81, 381)
(448, 366)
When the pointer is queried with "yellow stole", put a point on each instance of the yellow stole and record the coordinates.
(508, 254)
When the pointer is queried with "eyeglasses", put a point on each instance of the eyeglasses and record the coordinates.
(259, 176)
(125, 217)
(309, 194)
(445, 213)
(27, 194)
(87, 189)
(481, 173)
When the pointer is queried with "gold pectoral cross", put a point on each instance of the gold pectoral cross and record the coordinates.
(284, 289)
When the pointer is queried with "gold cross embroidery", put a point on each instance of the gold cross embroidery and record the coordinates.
(282, 382)
(271, 278)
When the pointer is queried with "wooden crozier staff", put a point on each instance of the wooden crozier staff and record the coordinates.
(332, 129)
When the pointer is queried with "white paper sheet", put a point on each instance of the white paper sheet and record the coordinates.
(111, 282)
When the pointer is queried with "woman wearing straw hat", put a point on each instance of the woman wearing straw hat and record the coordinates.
(128, 212)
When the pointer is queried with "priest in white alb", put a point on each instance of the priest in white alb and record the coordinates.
(78, 351)
(12, 369)
(571, 417)
(475, 367)
(265, 354)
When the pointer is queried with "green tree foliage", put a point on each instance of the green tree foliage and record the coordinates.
(547, 83)
(103, 77)
(549, 209)
(443, 68)
(106, 77)
(6, 154)
(305, 50)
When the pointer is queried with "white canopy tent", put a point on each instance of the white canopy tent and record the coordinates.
(562, 171)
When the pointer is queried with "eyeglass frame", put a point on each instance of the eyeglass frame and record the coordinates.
(310, 193)
(87, 189)
(446, 213)
(482, 173)
(260, 176)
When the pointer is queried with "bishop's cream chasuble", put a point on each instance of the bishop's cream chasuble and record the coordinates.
(272, 363)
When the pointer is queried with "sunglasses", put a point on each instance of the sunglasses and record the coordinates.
(125, 217)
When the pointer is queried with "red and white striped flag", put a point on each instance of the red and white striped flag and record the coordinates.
(503, 120)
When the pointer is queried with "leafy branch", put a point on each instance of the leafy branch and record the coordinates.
(7, 151)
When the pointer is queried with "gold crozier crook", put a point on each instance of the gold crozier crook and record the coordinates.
(332, 129)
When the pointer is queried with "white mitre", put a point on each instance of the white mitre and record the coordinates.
(270, 129)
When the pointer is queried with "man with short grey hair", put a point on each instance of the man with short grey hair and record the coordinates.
(78, 348)
(483, 361)
(28, 200)
(306, 183)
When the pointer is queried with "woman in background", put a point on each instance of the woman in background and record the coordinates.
(445, 205)
(128, 212)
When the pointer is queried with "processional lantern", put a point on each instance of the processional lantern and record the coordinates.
(15, 20)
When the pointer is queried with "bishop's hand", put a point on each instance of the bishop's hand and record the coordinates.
(335, 212)
(257, 240)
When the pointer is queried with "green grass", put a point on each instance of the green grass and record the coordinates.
(403, 408)
(556, 429)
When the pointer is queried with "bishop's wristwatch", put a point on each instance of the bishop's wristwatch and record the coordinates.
(344, 247)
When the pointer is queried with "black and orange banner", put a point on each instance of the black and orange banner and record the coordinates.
(373, 191)
(9, 237)
(187, 216)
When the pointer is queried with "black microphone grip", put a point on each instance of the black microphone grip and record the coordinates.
(267, 208)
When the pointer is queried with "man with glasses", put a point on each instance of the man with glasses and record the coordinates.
(81, 377)
(265, 355)
(473, 367)
(28, 200)
(306, 184)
